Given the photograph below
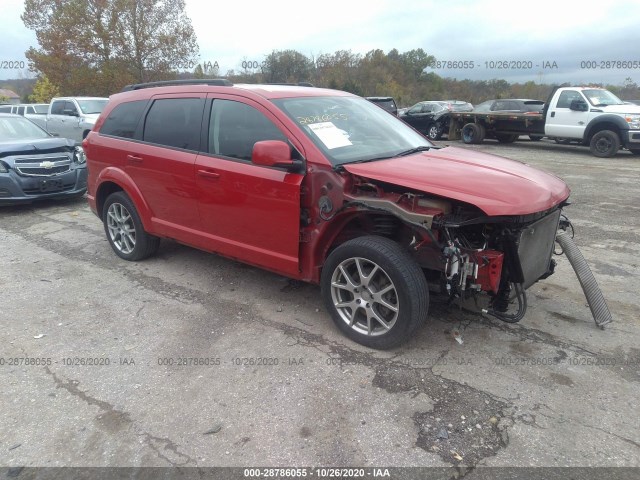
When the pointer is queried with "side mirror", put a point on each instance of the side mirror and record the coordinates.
(578, 105)
(274, 153)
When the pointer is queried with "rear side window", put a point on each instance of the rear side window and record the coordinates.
(5, 109)
(175, 122)
(123, 120)
(235, 127)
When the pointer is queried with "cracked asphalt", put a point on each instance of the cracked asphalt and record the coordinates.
(190, 359)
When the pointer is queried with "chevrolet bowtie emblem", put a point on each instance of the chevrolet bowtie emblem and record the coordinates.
(46, 165)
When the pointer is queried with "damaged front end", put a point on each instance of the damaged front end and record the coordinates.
(465, 252)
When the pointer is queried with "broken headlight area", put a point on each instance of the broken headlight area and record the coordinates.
(501, 257)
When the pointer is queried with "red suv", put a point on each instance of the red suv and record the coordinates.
(326, 187)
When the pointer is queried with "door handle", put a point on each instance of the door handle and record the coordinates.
(208, 174)
(553, 114)
(134, 159)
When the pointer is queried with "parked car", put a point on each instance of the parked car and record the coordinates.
(322, 186)
(430, 118)
(387, 103)
(458, 106)
(25, 108)
(34, 165)
(516, 105)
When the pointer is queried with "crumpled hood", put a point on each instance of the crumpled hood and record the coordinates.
(36, 146)
(496, 185)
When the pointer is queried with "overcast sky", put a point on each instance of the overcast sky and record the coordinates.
(553, 37)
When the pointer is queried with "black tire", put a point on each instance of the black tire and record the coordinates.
(506, 137)
(635, 151)
(472, 133)
(433, 131)
(381, 280)
(605, 144)
(119, 213)
(535, 138)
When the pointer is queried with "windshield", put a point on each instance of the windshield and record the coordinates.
(601, 98)
(351, 129)
(92, 106)
(18, 128)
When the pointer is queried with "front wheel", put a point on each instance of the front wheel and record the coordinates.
(124, 229)
(376, 293)
(605, 144)
(434, 132)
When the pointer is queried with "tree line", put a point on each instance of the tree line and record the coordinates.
(96, 47)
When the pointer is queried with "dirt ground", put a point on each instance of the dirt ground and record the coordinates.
(190, 359)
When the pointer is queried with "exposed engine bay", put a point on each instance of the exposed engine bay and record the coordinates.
(464, 252)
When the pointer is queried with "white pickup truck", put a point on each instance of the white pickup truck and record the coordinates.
(73, 117)
(591, 116)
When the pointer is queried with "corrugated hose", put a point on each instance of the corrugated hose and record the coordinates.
(592, 292)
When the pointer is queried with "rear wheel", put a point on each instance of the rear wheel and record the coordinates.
(506, 137)
(473, 133)
(124, 229)
(376, 293)
(604, 144)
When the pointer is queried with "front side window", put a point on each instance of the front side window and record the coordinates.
(70, 109)
(123, 120)
(58, 107)
(566, 97)
(351, 129)
(235, 127)
(175, 122)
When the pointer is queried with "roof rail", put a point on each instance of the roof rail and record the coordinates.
(298, 84)
(222, 82)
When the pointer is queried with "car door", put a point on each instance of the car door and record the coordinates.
(419, 118)
(59, 122)
(563, 122)
(161, 164)
(247, 211)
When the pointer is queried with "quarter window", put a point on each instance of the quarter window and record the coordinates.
(175, 122)
(235, 127)
(123, 120)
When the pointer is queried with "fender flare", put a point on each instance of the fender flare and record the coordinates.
(126, 183)
(616, 120)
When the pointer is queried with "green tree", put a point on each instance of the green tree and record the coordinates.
(43, 91)
(198, 72)
(287, 66)
(98, 46)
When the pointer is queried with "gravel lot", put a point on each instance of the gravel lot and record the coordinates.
(269, 380)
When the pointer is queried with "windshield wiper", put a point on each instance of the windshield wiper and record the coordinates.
(411, 151)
